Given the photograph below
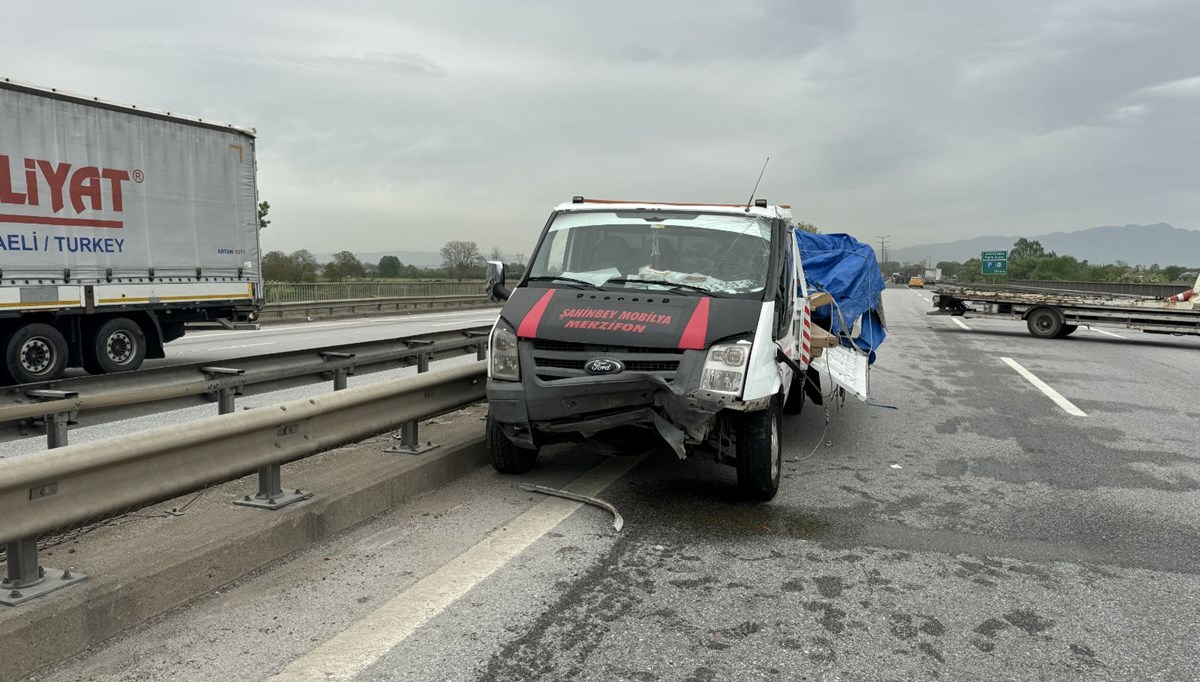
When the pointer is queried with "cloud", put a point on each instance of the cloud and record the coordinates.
(411, 123)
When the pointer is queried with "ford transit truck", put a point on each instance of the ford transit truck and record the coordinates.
(118, 226)
(689, 323)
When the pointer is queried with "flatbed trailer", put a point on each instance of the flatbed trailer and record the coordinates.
(1052, 314)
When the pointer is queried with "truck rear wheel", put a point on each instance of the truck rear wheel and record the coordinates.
(35, 352)
(1067, 330)
(1044, 323)
(759, 452)
(118, 345)
(507, 457)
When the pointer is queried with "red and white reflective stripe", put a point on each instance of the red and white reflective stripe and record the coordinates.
(806, 337)
(1187, 295)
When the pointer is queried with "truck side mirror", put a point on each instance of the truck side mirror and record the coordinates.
(496, 291)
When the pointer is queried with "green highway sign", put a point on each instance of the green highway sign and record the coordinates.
(994, 262)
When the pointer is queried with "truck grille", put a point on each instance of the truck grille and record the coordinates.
(561, 360)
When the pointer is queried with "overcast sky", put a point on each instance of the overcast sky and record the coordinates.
(396, 125)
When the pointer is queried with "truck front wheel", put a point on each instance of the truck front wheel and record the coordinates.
(506, 457)
(35, 352)
(759, 452)
(118, 345)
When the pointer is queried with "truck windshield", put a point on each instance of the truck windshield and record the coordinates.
(720, 254)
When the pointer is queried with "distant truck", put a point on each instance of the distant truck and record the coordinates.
(689, 323)
(933, 275)
(118, 225)
(1054, 314)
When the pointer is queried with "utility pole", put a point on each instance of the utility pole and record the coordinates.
(883, 246)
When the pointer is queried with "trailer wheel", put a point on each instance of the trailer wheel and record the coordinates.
(507, 457)
(759, 452)
(1067, 330)
(35, 352)
(1044, 323)
(118, 345)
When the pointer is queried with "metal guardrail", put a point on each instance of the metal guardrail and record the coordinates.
(286, 292)
(367, 306)
(79, 482)
(49, 407)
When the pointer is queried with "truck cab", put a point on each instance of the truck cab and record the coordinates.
(688, 323)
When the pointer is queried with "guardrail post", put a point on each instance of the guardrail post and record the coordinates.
(410, 439)
(57, 423)
(225, 394)
(26, 578)
(270, 493)
(481, 347)
(341, 374)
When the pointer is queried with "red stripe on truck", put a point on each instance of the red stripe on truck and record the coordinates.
(533, 318)
(64, 222)
(696, 329)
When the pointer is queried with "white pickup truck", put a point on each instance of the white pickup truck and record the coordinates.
(689, 321)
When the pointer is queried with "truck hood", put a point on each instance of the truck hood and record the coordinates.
(647, 319)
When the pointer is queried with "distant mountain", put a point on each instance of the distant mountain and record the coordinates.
(1135, 244)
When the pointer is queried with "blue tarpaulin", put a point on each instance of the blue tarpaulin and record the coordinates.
(845, 268)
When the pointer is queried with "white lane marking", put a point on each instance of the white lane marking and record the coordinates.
(211, 350)
(1042, 386)
(1101, 331)
(346, 654)
(960, 323)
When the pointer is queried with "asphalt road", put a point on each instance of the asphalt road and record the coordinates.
(205, 345)
(964, 525)
(217, 345)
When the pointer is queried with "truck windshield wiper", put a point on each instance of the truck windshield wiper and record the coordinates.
(559, 278)
(670, 285)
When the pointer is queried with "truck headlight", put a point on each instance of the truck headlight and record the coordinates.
(504, 364)
(725, 368)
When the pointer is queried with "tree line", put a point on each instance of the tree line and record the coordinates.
(1029, 260)
(460, 260)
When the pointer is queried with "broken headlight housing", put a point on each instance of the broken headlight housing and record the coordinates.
(725, 368)
(503, 364)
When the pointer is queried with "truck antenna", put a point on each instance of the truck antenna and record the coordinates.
(755, 190)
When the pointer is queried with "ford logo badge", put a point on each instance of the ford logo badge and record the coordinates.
(603, 366)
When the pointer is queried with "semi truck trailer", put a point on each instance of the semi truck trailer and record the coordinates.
(118, 226)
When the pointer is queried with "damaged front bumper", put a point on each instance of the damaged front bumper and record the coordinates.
(536, 411)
